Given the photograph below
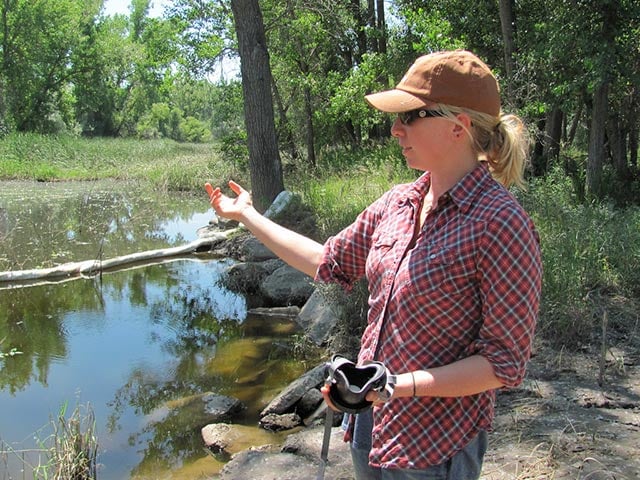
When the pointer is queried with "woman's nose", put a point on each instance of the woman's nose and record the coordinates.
(397, 129)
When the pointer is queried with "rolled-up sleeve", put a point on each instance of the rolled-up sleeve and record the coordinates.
(510, 275)
(344, 255)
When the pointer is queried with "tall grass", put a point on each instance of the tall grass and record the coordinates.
(74, 452)
(591, 260)
(165, 164)
(346, 182)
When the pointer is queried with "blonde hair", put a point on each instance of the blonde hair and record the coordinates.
(503, 143)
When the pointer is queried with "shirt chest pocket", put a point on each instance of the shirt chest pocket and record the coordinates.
(381, 256)
(445, 270)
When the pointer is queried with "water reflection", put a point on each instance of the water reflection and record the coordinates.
(140, 346)
(43, 225)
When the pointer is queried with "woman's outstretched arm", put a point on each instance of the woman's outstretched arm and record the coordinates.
(297, 250)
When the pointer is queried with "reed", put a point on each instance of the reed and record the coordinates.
(70, 452)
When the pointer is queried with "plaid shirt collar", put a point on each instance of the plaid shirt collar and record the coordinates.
(463, 194)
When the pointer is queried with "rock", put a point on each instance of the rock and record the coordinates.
(309, 402)
(220, 407)
(287, 286)
(268, 465)
(272, 265)
(282, 200)
(308, 443)
(280, 312)
(295, 391)
(278, 423)
(252, 250)
(198, 410)
(227, 439)
(246, 277)
(297, 459)
(318, 317)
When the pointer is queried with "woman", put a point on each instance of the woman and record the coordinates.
(453, 267)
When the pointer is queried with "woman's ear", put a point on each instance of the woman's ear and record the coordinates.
(462, 126)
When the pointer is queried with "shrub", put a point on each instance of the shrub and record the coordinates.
(590, 254)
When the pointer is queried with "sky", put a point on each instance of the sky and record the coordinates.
(111, 7)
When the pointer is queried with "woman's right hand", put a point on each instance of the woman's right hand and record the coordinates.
(227, 207)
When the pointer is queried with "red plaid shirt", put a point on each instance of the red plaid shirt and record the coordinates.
(470, 285)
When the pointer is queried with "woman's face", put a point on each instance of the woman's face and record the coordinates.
(425, 142)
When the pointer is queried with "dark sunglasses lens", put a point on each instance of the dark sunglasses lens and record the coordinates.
(406, 117)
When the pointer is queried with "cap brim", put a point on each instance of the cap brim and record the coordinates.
(395, 101)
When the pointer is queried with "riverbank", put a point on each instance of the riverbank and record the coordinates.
(559, 424)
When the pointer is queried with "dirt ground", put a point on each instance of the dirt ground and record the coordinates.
(576, 416)
(559, 424)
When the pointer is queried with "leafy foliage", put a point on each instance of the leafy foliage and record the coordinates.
(68, 68)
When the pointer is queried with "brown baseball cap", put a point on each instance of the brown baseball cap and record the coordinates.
(457, 78)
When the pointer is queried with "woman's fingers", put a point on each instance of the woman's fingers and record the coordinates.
(237, 189)
(325, 393)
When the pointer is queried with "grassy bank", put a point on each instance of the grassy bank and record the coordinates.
(591, 252)
(162, 163)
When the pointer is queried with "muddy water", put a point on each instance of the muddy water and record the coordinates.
(134, 346)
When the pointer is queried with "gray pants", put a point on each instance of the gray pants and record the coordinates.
(464, 465)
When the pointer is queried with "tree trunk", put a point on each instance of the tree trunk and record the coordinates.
(382, 27)
(506, 24)
(538, 160)
(617, 137)
(311, 152)
(361, 31)
(633, 145)
(595, 160)
(553, 132)
(371, 14)
(283, 130)
(633, 130)
(574, 125)
(264, 159)
(5, 62)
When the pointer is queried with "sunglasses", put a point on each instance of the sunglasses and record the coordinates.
(408, 117)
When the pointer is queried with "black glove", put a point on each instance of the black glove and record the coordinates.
(349, 384)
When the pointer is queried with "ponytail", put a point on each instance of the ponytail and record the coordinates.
(506, 149)
(504, 144)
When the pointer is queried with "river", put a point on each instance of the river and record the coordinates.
(128, 347)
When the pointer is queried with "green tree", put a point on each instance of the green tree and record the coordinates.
(578, 59)
(207, 31)
(104, 65)
(38, 38)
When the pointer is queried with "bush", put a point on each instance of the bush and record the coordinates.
(194, 130)
(590, 254)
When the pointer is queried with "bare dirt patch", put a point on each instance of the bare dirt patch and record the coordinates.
(576, 416)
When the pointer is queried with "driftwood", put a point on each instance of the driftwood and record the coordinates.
(90, 268)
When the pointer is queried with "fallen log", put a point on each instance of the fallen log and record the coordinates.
(91, 268)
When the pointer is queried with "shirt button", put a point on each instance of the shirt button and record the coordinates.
(433, 256)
